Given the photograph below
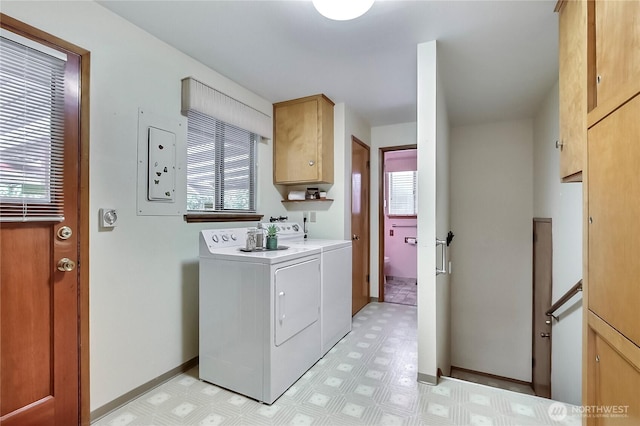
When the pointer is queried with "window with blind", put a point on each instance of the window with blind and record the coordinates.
(221, 165)
(31, 132)
(222, 138)
(403, 194)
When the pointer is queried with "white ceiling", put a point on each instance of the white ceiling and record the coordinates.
(498, 59)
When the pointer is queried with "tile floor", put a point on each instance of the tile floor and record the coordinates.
(400, 290)
(368, 378)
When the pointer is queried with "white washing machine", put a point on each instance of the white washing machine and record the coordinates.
(259, 314)
(335, 281)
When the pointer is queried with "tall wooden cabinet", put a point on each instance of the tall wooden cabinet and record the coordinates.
(303, 141)
(611, 172)
(611, 374)
(614, 219)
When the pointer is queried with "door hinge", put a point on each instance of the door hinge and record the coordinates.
(535, 237)
(533, 363)
(368, 164)
(367, 278)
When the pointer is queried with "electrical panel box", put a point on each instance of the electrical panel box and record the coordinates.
(162, 165)
(162, 171)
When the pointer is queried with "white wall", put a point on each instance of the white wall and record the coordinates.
(443, 196)
(144, 273)
(381, 137)
(562, 202)
(491, 217)
(433, 216)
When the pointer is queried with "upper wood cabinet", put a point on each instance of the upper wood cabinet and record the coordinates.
(572, 49)
(617, 49)
(303, 141)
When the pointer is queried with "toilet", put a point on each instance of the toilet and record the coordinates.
(385, 271)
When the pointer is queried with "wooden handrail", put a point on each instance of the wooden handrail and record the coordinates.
(565, 297)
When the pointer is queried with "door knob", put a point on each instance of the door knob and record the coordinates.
(355, 237)
(547, 335)
(66, 265)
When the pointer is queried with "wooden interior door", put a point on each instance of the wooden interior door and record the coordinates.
(39, 304)
(542, 280)
(360, 224)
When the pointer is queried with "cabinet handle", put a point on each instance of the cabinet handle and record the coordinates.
(311, 162)
(559, 144)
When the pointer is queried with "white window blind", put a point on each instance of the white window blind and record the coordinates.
(31, 133)
(197, 96)
(221, 165)
(403, 194)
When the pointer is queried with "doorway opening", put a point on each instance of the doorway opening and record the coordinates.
(542, 289)
(398, 225)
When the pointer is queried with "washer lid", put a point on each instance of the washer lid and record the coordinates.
(324, 245)
(262, 256)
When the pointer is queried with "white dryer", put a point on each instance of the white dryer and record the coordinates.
(336, 278)
(259, 314)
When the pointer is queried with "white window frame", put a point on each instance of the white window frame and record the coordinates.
(402, 193)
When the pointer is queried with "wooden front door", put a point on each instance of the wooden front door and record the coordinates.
(39, 274)
(542, 279)
(360, 224)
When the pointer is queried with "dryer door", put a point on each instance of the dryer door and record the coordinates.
(297, 298)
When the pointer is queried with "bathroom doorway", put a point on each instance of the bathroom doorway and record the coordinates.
(398, 225)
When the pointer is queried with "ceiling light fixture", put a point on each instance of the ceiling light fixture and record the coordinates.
(342, 10)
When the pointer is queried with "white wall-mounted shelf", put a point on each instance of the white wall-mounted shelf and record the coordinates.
(317, 200)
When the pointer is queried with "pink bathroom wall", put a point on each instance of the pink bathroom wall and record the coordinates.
(403, 256)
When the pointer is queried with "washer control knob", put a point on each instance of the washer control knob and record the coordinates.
(225, 237)
(233, 237)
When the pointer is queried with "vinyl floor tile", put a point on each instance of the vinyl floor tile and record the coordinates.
(368, 378)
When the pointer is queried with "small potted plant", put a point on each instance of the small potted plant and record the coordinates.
(272, 237)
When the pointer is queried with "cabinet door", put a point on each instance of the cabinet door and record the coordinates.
(296, 142)
(573, 82)
(617, 37)
(614, 219)
(615, 387)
